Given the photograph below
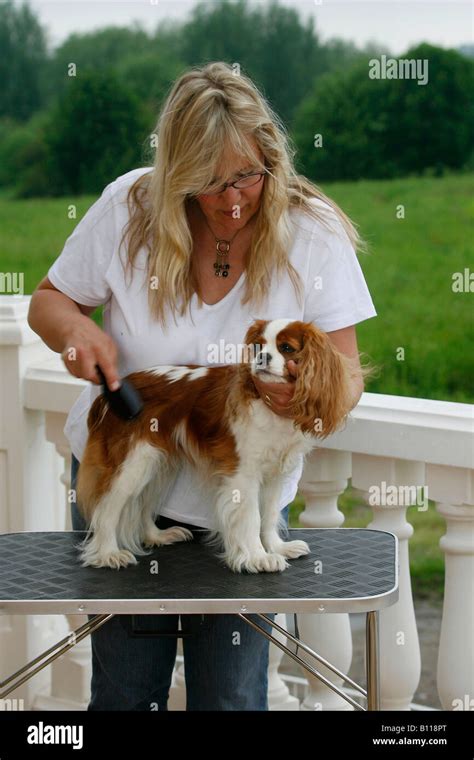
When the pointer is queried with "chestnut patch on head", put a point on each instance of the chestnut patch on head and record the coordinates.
(254, 340)
(290, 341)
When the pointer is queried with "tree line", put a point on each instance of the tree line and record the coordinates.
(74, 117)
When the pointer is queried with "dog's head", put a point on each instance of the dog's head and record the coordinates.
(322, 394)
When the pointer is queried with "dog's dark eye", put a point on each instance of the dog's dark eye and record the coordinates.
(286, 348)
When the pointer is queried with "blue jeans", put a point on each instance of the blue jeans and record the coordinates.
(130, 673)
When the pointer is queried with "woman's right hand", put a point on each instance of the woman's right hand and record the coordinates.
(88, 345)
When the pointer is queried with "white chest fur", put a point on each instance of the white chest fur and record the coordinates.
(269, 442)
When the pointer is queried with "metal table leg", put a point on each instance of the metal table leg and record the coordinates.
(54, 652)
(303, 663)
(372, 660)
(372, 657)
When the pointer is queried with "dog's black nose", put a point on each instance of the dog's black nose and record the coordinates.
(264, 360)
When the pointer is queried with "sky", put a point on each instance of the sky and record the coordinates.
(396, 25)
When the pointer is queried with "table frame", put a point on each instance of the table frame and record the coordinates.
(372, 694)
(233, 604)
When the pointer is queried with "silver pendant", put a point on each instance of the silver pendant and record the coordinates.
(222, 249)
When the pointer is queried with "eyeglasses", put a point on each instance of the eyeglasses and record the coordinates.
(248, 181)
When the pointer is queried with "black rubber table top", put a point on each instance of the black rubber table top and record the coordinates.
(347, 570)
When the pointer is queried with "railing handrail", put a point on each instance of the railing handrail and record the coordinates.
(425, 430)
(394, 439)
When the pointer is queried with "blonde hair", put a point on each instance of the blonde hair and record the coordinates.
(207, 110)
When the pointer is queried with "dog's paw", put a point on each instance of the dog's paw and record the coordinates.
(293, 549)
(114, 560)
(257, 563)
(159, 537)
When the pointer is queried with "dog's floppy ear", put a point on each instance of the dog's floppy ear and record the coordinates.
(251, 337)
(322, 396)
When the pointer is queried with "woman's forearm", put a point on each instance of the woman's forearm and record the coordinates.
(52, 315)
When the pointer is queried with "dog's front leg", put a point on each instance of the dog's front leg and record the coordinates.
(270, 507)
(238, 521)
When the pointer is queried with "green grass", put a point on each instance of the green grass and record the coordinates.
(426, 557)
(408, 270)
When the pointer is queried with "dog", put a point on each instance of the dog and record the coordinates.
(213, 417)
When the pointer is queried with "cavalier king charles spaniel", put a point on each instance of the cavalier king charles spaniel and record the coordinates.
(215, 419)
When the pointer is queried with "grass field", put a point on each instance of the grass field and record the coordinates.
(409, 271)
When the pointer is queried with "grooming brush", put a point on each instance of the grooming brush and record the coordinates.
(125, 402)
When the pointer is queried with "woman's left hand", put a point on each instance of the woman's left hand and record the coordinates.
(278, 396)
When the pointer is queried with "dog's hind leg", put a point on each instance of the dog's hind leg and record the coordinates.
(110, 546)
(142, 521)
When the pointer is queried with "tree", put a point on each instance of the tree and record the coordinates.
(24, 157)
(99, 50)
(96, 133)
(377, 128)
(24, 55)
(271, 45)
(434, 122)
(149, 76)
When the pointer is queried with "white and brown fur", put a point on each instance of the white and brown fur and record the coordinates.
(215, 419)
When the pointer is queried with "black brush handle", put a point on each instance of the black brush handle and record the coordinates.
(125, 402)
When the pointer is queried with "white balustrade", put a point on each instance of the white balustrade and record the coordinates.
(324, 478)
(431, 444)
(389, 441)
(400, 662)
(31, 495)
(279, 697)
(453, 490)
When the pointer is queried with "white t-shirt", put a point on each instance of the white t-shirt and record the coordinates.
(89, 271)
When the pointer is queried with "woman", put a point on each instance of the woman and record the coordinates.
(219, 232)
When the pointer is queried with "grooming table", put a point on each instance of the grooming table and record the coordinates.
(347, 570)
